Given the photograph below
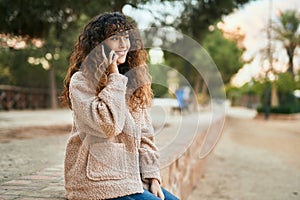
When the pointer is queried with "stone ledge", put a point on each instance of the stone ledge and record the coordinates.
(184, 173)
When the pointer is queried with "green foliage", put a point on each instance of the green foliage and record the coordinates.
(289, 22)
(285, 85)
(58, 23)
(35, 18)
(159, 80)
(199, 15)
(181, 65)
(297, 80)
(224, 53)
(287, 32)
(285, 82)
(259, 87)
(159, 91)
(20, 72)
(236, 93)
(195, 21)
(285, 109)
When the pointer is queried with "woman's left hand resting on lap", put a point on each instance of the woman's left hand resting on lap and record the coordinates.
(155, 188)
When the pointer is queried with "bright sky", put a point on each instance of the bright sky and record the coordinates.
(252, 19)
(152, 11)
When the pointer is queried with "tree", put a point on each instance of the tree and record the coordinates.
(47, 20)
(199, 15)
(225, 54)
(287, 32)
(54, 22)
(195, 21)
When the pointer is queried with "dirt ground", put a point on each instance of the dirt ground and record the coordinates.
(254, 160)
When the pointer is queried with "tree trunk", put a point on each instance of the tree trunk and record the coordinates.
(196, 92)
(204, 93)
(118, 5)
(52, 88)
(274, 96)
(290, 53)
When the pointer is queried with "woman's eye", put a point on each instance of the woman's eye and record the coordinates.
(127, 37)
(114, 38)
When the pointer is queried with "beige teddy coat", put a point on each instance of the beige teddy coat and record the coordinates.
(111, 151)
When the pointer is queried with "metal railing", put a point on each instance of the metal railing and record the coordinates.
(19, 98)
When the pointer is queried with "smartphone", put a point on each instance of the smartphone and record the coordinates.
(107, 50)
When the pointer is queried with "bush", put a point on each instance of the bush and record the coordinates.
(159, 90)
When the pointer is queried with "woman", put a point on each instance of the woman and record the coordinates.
(111, 152)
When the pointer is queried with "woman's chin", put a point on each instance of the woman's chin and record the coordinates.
(121, 61)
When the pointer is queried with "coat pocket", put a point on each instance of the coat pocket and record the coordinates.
(106, 161)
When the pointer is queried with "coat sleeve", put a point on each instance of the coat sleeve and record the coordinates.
(103, 114)
(148, 152)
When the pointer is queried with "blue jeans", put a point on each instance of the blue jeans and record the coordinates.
(146, 195)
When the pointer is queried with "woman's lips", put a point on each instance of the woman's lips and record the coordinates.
(121, 53)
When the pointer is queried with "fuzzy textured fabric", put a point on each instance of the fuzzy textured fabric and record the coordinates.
(111, 151)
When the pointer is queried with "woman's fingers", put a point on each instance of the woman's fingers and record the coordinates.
(103, 52)
(113, 57)
(156, 190)
(112, 62)
(160, 194)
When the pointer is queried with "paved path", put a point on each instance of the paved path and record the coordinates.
(34, 118)
(45, 184)
(31, 158)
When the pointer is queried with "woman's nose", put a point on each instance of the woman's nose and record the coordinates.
(122, 42)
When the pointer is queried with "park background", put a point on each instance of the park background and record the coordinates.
(255, 48)
(254, 44)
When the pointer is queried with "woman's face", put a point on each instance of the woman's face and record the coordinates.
(120, 44)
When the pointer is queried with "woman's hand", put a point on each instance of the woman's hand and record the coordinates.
(98, 58)
(111, 61)
(156, 189)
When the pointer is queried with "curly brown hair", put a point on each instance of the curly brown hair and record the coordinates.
(101, 27)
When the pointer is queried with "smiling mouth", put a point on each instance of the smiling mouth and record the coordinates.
(121, 53)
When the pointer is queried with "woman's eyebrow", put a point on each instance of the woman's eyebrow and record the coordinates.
(122, 33)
